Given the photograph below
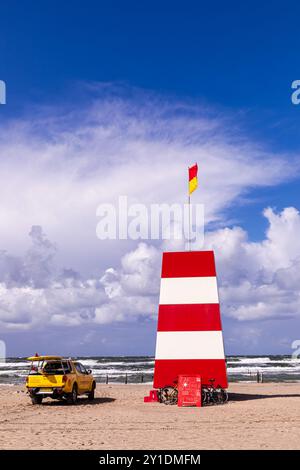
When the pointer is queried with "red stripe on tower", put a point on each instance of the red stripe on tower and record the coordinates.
(188, 264)
(193, 317)
(189, 333)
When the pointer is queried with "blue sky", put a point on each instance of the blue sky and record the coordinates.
(229, 54)
(239, 58)
(75, 68)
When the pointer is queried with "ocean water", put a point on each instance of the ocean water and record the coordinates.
(140, 369)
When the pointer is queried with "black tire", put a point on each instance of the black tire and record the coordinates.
(203, 396)
(215, 399)
(36, 399)
(169, 395)
(91, 395)
(224, 396)
(72, 398)
(221, 396)
(211, 396)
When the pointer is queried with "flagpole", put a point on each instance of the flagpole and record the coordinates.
(192, 177)
(189, 222)
(189, 207)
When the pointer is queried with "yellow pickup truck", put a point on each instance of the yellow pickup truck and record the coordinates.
(58, 378)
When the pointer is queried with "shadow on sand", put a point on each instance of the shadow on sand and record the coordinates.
(80, 402)
(256, 396)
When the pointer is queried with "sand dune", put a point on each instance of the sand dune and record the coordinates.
(258, 416)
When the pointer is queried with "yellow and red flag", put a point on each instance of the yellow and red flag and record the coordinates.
(193, 178)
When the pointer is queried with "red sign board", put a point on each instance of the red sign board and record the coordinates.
(189, 390)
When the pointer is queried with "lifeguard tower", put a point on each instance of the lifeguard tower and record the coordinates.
(189, 330)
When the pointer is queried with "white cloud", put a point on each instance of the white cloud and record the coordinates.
(132, 291)
(260, 280)
(46, 295)
(55, 169)
(257, 281)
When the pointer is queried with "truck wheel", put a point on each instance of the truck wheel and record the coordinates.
(36, 399)
(91, 395)
(72, 398)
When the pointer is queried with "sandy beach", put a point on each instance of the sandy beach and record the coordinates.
(258, 416)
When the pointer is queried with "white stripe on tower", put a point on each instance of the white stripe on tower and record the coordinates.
(188, 290)
(189, 345)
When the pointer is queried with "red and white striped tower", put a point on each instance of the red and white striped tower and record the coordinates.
(189, 332)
